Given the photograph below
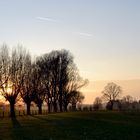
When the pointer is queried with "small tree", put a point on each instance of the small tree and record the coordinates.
(127, 99)
(110, 93)
(126, 102)
(75, 97)
(97, 103)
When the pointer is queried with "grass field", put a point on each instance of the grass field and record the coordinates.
(72, 126)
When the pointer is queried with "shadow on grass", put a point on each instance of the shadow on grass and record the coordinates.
(18, 131)
(41, 118)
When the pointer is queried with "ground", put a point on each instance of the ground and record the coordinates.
(72, 126)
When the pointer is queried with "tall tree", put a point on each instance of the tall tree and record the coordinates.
(12, 68)
(61, 78)
(48, 66)
(27, 91)
(44, 63)
(38, 87)
(65, 64)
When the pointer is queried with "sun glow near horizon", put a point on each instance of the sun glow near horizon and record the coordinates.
(102, 35)
(95, 88)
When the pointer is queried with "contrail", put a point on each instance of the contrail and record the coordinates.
(46, 19)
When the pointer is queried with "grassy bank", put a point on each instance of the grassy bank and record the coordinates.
(73, 126)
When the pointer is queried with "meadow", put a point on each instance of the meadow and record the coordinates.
(72, 126)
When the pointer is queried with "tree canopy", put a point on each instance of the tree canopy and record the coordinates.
(52, 77)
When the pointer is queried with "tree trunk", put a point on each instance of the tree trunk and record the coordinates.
(73, 106)
(28, 108)
(12, 110)
(40, 109)
(65, 107)
(60, 103)
(112, 103)
(60, 96)
(55, 106)
(49, 106)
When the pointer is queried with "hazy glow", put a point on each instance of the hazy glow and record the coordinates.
(103, 35)
(7, 88)
(94, 89)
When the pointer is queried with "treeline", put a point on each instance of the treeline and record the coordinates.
(52, 78)
(126, 103)
(112, 100)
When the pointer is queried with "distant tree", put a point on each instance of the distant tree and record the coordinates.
(79, 106)
(135, 105)
(97, 103)
(75, 97)
(126, 102)
(110, 93)
(127, 99)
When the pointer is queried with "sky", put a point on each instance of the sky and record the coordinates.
(103, 35)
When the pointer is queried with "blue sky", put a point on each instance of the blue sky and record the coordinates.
(103, 35)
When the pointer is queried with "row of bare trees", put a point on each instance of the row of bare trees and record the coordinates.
(52, 77)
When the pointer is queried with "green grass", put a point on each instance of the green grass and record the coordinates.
(72, 126)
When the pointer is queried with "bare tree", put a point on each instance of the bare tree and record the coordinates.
(60, 77)
(4, 65)
(43, 62)
(127, 99)
(110, 93)
(38, 87)
(72, 92)
(12, 75)
(97, 103)
(65, 62)
(27, 90)
(126, 102)
(49, 69)
(53, 77)
(75, 97)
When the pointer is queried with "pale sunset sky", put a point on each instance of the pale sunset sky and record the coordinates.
(103, 36)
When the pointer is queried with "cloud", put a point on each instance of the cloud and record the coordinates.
(46, 19)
